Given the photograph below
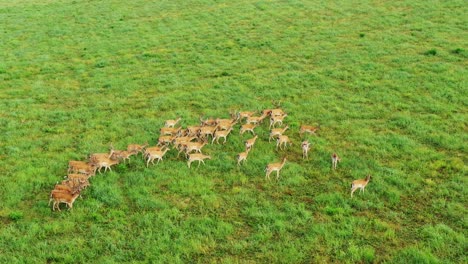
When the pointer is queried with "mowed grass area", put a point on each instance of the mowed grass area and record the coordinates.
(385, 81)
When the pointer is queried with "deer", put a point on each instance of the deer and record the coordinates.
(197, 157)
(192, 131)
(105, 163)
(169, 131)
(274, 167)
(67, 198)
(136, 148)
(205, 131)
(359, 184)
(80, 178)
(282, 140)
(151, 155)
(308, 129)
(221, 134)
(244, 114)
(194, 146)
(242, 157)
(277, 112)
(97, 156)
(255, 119)
(207, 122)
(81, 167)
(335, 159)
(64, 188)
(172, 123)
(250, 142)
(120, 154)
(305, 149)
(277, 120)
(248, 127)
(182, 141)
(165, 140)
(225, 124)
(276, 132)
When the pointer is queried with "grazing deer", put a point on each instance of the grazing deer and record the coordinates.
(250, 142)
(277, 120)
(248, 127)
(276, 132)
(359, 184)
(136, 148)
(305, 149)
(308, 129)
(282, 140)
(197, 157)
(221, 134)
(335, 159)
(151, 155)
(274, 167)
(242, 157)
(172, 123)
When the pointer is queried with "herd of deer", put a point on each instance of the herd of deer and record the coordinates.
(189, 142)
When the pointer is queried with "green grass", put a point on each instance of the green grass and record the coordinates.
(385, 80)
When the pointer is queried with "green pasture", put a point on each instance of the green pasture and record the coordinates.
(385, 80)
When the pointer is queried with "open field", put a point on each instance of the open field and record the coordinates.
(385, 80)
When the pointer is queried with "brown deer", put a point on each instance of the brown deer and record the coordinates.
(151, 155)
(250, 142)
(242, 157)
(197, 157)
(105, 163)
(308, 129)
(305, 149)
(172, 123)
(207, 122)
(276, 132)
(137, 148)
(282, 140)
(221, 134)
(359, 184)
(277, 120)
(61, 197)
(335, 159)
(248, 127)
(244, 114)
(274, 167)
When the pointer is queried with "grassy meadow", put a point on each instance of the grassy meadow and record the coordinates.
(385, 80)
